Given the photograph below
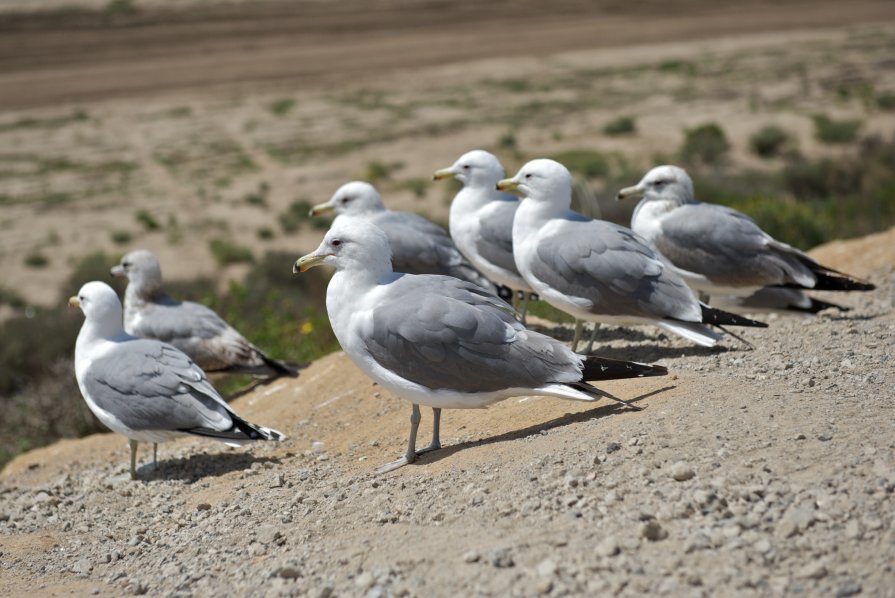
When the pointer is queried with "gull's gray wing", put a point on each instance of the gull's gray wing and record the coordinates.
(444, 333)
(418, 245)
(198, 331)
(728, 248)
(495, 241)
(149, 385)
(614, 269)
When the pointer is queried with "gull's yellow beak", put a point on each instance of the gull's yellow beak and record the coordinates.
(629, 193)
(320, 208)
(303, 264)
(74, 302)
(507, 185)
(444, 173)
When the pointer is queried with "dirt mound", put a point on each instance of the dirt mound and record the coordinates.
(748, 472)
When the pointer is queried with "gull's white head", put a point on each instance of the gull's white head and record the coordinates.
(477, 168)
(100, 305)
(356, 197)
(142, 270)
(662, 183)
(351, 244)
(542, 180)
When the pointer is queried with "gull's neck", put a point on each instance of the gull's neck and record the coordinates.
(96, 332)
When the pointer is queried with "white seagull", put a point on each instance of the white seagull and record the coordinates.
(439, 341)
(481, 219)
(717, 250)
(193, 328)
(144, 389)
(418, 246)
(596, 270)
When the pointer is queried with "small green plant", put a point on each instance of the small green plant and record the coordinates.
(377, 171)
(121, 237)
(226, 252)
(587, 163)
(11, 298)
(623, 125)
(121, 7)
(829, 130)
(507, 141)
(298, 213)
(419, 187)
(282, 106)
(886, 100)
(769, 141)
(265, 233)
(147, 220)
(706, 144)
(35, 259)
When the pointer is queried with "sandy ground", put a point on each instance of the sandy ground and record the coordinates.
(187, 114)
(750, 472)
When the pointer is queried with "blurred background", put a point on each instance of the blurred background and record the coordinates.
(204, 130)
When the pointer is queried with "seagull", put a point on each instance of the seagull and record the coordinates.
(191, 327)
(144, 389)
(419, 246)
(481, 220)
(443, 342)
(717, 250)
(599, 271)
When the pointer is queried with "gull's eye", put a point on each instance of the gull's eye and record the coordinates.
(336, 242)
(658, 183)
(82, 298)
(466, 167)
(528, 176)
(125, 265)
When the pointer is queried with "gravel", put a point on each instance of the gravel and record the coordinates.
(744, 479)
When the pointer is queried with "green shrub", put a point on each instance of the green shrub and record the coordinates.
(265, 232)
(829, 130)
(542, 309)
(419, 187)
(623, 125)
(11, 297)
(226, 252)
(147, 220)
(886, 100)
(282, 106)
(769, 141)
(706, 144)
(36, 259)
(296, 214)
(120, 237)
(507, 141)
(587, 163)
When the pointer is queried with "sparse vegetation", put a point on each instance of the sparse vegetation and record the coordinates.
(258, 197)
(829, 130)
(265, 233)
(121, 237)
(36, 259)
(227, 252)
(11, 297)
(377, 171)
(886, 100)
(623, 125)
(705, 144)
(419, 187)
(587, 163)
(147, 220)
(507, 141)
(282, 107)
(769, 141)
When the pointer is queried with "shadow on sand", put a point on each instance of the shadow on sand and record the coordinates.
(196, 467)
(565, 420)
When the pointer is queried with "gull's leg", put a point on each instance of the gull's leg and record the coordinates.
(133, 445)
(410, 455)
(436, 432)
(593, 337)
(154, 454)
(579, 327)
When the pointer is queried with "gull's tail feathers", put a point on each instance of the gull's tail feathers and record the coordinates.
(692, 331)
(241, 432)
(603, 368)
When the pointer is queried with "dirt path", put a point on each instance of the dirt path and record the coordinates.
(53, 59)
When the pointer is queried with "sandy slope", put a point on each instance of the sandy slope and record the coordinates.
(789, 447)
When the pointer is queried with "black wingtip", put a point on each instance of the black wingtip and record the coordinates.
(830, 280)
(598, 368)
(719, 317)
